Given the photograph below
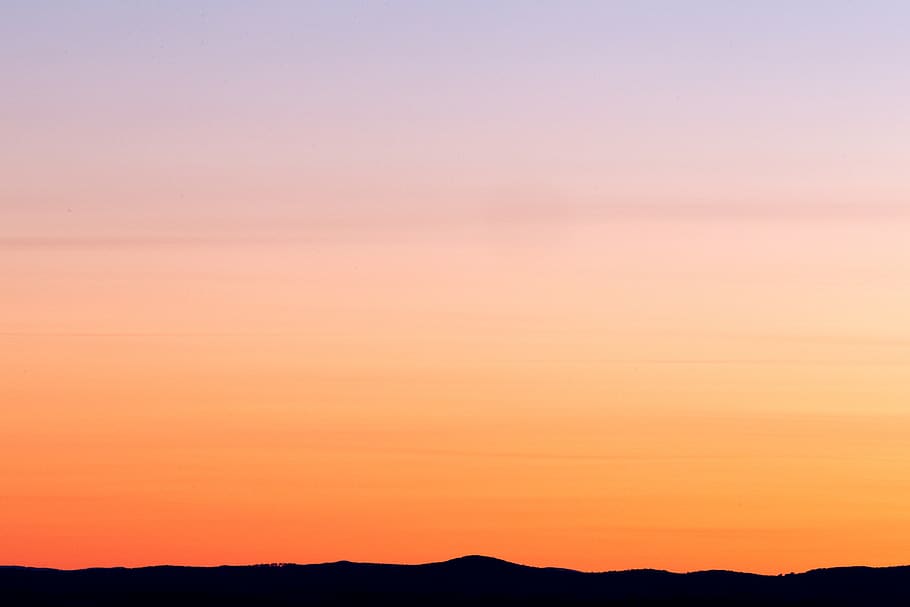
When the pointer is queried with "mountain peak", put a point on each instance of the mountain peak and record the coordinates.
(480, 560)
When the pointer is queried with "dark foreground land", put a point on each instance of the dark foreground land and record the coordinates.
(471, 580)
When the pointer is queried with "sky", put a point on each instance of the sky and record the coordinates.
(600, 285)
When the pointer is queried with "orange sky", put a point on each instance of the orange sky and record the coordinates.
(414, 400)
(309, 284)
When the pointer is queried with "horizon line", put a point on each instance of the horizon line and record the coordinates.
(464, 557)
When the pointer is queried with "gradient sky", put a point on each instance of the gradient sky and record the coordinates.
(591, 284)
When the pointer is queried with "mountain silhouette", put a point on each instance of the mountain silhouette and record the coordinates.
(468, 580)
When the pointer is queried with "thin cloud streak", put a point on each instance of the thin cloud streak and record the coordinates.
(369, 225)
(572, 456)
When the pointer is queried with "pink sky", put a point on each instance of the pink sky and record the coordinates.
(580, 286)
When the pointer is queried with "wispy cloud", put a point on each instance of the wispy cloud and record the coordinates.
(372, 223)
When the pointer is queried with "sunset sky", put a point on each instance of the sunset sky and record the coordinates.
(600, 285)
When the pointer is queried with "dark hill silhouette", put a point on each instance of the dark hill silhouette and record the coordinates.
(469, 580)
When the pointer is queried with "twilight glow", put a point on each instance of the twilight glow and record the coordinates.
(599, 285)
